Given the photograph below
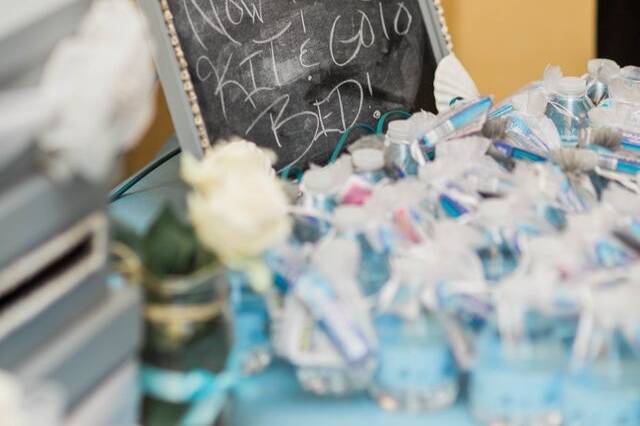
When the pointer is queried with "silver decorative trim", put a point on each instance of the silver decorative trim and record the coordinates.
(185, 77)
(443, 24)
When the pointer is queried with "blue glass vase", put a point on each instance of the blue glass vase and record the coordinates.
(186, 331)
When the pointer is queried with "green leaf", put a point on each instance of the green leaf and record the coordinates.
(171, 247)
(202, 258)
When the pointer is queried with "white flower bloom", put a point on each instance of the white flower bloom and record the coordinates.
(107, 102)
(239, 209)
(224, 161)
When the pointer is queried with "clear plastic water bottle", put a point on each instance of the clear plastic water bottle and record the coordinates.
(416, 370)
(250, 324)
(335, 381)
(337, 339)
(603, 387)
(320, 185)
(519, 383)
(398, 153)
(631, 73)
(606, 393)
(568, 107)
(369, 164)
(625, 90)
(374, 267)
(416, 367)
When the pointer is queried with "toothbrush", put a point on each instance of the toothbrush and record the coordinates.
(614, 139)
(520, 127)
(629, 239)
(609, 160)
(456, 120)
(618, 163)
(518, 153)
(501, 111)
(451, 207)
(631, 144)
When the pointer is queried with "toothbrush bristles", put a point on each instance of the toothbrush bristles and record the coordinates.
(607, 138)
(575, 160)
(496, 129)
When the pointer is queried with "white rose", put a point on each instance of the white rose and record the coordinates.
(106, 103)
(224, 161)
(242, 217)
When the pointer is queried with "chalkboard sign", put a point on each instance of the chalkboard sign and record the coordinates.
(292, 75)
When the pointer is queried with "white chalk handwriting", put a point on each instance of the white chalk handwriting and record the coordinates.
(249, 59)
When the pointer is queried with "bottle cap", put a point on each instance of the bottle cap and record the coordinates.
(421, 123)
(571, 86)
(328, 180)
(367, 142)
(368, 160)
(400, 131)
(536, 103)
(631, 73)
(318, 181)
(598, 66)
(552, 73)
(625, 89)
(423, 115)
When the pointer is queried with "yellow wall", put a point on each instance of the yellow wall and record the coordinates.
(504, 44)
(156, 136)
(507, 43)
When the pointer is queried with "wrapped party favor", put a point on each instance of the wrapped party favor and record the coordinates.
(601, 72)
(416, 368)
(568, 105)
(603, 384)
